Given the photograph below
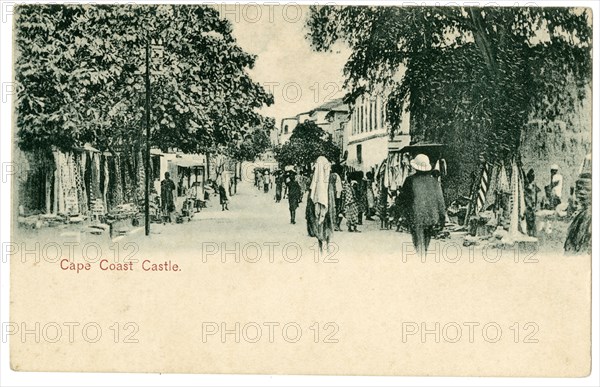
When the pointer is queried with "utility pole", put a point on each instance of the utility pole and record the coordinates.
(147, 169)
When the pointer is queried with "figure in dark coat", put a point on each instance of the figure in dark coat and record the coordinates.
(278, 187)
(167, 186)
(294, 195)
(531, 203)
(423, 203)
(223, 198)
(579, 234)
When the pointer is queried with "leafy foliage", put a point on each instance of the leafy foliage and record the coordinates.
(477, 72)
(255, 142)
(80, 77)
(307, 142)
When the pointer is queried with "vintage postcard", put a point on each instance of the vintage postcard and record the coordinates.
(301, 189)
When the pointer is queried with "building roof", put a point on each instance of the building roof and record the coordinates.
(333, 105)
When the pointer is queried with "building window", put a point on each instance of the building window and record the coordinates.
(359, 153)
(376, 113)
(371, 126)
(285, 129)
(362, 118)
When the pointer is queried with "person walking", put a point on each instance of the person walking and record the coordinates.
(423, 202)
(260, 179)
(223, 198)
(579, 233)
(554, 189)
(320, 206)
(531, 202)
(303, 180)
(267, 181)
(336, 171)
(350, 206)
(370, 196)
(278, 187)
(167, 198)
(294, 194)
(382, 207)
(360, 194)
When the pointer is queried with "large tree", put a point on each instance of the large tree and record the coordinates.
(468, 74)
(80, 75)
(307, 142)
(253, 141)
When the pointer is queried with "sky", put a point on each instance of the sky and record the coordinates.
(298, 77)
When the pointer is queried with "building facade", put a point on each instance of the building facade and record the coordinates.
(287, 128)
(330, 116)
(368, 134)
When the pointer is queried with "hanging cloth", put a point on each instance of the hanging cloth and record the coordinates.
(484, 182)
(517, 202)
(105, 181)
(503, 183)
(70, 182)
(522, 221)
(319, 187)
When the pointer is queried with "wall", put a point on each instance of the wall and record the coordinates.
(565, 143)
(367, 126)
(374, 151)
(291, 124)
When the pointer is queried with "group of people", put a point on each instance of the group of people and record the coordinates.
(335, 194)
(552, 200)
(263, 180)
(168, 195)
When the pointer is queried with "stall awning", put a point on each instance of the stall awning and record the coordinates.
(188, 163)
(422, 148)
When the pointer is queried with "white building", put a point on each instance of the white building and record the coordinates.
(186, 171)
(368, 133)
(330, 116)
(287, 127)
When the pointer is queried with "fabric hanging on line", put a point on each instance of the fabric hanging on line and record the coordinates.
(492, 191)
(82, 191)
(392, 171)
(58, 207)
(443, 167)
(517, 203)
(514, 211)
(398, 171)
(96, 166)
(127, 177)
(437, 168)
(523, 222)
(70, 185)
(141, 173)
(385, 178)
(94, 180)
(117, 181)
(105, 181)
(503, 183)
(404, 163)
(110, 193)
(484, 182)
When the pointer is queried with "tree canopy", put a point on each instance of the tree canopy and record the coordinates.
(253, 142)
(484, 70)
(307, 142)
(80, 73)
